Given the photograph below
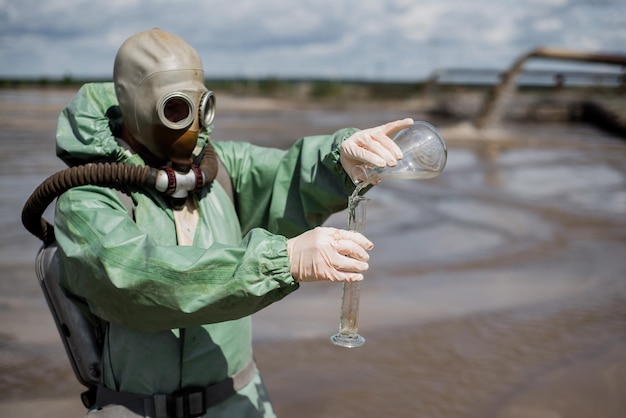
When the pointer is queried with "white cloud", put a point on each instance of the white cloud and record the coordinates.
(549, 24)
(344, 38)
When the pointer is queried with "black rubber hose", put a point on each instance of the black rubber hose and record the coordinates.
(116, 175)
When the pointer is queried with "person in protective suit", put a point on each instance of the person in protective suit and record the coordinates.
(177, 279)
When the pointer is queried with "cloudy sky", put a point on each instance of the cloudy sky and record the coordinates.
(365, 39)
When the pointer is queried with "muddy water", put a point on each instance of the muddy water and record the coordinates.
(496, 290)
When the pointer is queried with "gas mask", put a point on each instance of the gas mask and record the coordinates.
(159, 83)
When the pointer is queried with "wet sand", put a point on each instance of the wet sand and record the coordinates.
(495, 290)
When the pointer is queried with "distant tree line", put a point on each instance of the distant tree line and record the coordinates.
(309, 89)
(270, 87)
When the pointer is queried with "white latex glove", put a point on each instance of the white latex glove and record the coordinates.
(328, 254)
(373, 147)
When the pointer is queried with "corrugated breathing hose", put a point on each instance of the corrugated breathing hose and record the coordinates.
(115, 175)
(101, 174)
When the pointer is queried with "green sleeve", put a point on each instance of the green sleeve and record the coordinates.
(288, 191)
(124, 277)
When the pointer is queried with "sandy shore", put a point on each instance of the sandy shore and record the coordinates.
(505, 365)
(566, 363)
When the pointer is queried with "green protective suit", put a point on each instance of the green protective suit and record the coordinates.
(180, 315)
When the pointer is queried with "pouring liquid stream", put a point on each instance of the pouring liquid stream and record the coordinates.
(349, 318)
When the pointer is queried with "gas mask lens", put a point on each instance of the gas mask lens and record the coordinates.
(207, 108)
(176, 111)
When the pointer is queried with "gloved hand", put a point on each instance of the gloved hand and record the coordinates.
(372, 147)
(328, 254)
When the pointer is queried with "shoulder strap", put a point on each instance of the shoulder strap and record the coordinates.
(223, 178)
(127, 201)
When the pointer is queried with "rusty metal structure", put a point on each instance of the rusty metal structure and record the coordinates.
(494, 104)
